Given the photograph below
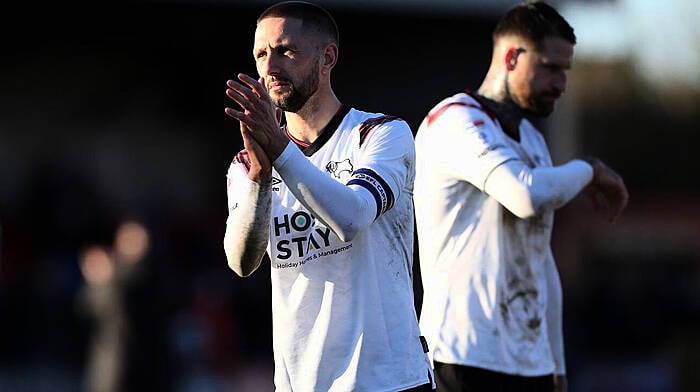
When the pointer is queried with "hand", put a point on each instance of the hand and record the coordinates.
(607, 190)
(259, 165)
(259, 118)
(560, 383)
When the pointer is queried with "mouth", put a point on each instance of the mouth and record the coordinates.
(551, 96)
(549, 99)
(278, 84)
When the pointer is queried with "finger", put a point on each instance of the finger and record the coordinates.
(233, 113)
(609, 177)
(232, 84)
(615, 213)
(248, 80)
(237, 97)
(617, 195)
(257, 155)
(247, 98)
(255, 85)
(253, 127)
(240, 116)
(613, 193)
(615, 205)
(245, 134)
(255, 101)
(621, 202)
(248, 105)
(600, 202)
(242, 90)
(625, 196)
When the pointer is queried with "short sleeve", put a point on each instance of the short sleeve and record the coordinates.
(386, 163)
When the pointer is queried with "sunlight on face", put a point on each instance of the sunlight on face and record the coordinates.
(539, 78)
(288, 59)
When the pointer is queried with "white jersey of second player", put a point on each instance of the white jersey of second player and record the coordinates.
(346, 308)
(483, 268)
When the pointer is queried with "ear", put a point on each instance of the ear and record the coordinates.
(329, 58)
(511, 58)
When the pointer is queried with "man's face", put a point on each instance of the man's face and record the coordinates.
(539, 77)
(288, 60)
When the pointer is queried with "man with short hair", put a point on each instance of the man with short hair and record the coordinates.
(486, 192)
(328, 196)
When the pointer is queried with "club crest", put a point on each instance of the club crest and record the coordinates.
(339, 169)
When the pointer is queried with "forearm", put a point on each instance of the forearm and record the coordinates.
(528, 192)
(247, 226)
(344, 209)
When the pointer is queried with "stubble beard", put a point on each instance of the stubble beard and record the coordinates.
(299, 93)
(531, 105)
(540, 108)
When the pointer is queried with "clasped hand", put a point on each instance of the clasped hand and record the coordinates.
(259, 124)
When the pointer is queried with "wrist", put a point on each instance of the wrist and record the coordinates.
(277, 149)
(261, 177)
(596, 165)
(593, 161)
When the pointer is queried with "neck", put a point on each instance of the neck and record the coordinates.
(498, 101)
(308, 123)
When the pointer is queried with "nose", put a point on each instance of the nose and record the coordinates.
(269, 65)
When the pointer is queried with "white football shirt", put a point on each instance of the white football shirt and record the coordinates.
(483, 268)
(343, 312)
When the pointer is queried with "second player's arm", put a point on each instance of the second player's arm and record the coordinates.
(478, 154)
(527, 192)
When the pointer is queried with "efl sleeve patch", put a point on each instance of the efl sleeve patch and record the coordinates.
(381, 191)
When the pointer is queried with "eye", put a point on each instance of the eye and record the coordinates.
(260, 54)
(285, 51)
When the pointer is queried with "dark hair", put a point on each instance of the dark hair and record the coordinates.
(311, 15)
(534, 21)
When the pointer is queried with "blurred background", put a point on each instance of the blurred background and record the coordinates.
(115, 146)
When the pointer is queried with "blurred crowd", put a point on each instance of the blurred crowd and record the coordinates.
(95, 301)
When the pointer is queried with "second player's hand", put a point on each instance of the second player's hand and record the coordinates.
(607, 189)
(259, 114)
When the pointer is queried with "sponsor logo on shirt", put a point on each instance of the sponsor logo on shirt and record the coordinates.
(275, 181)
(300, 238)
